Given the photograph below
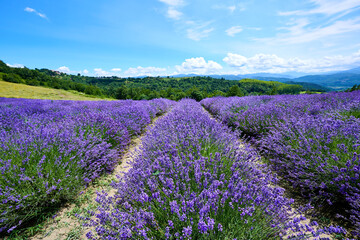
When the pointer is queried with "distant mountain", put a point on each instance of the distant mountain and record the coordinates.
(354, 71)
(242, 76)
(333, 80)
(337, 81)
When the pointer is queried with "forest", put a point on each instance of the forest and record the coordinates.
(197, 87)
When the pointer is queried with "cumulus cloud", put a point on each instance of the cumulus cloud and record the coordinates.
(64, 69)
(31, 10)
(233, 30)
(16, 65)
(272, 63)
(144, 71)
(101, 73)
(67, 70)
(116, 70)
(198, 66)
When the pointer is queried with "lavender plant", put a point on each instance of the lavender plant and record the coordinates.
(192, 180)
(51, 149)
(310, 140)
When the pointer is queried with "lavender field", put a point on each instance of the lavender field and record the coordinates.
(193, 177)
(193, 180)
(50, 149)
(311, 141)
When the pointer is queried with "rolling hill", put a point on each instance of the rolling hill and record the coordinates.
(16, 90)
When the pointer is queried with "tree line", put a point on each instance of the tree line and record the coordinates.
(354, 88)
(197, 88)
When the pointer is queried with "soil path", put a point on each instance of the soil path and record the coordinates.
(66, 225)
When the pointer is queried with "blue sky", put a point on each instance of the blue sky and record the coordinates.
(166, 37)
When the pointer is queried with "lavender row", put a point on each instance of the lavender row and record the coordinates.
(50, 149)
(191, 179)
(312, 141)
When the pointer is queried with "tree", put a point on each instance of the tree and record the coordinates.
(217, 93)
(235, 91)
(12, 77)
(121, 93)
(195, 94)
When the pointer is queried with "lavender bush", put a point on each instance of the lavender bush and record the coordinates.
(192, 180)
(310, 140)
(50, 149)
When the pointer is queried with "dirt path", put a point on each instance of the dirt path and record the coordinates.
(65, 225)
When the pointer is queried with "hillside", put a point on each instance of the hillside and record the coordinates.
(16, 90)
(324, 82)
(172, 88)
(337, 81)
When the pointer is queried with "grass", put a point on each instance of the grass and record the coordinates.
(15, 90)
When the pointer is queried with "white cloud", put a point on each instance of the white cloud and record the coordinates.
(16, 65)
(102, 73)
(339, 27)
(116, 70)
(198, 66)
(304, 27)
(300, 32)
(197, 35)
(144, 71)
(198, 31)
(67, 70)
(173, 13)
(31, 10)
(173, 3)
(254, 28)
(327, 7)
(232, 8)
(64, 69)
(233, 30)
(271, 63)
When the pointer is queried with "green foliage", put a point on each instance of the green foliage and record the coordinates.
(354, 88)
(46, 78)
(12, 77)
(235, 91)
(121, 93)
(196, 88)
(260, 87)
(289, 89)
(355, 112)
(311, 87)
(196, 94)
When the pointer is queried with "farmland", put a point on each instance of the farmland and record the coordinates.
(50, 150)
(193, 176)
(311, 141)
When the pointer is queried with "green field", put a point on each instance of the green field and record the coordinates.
(15, 90)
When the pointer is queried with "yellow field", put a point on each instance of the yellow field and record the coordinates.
(14, 90)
